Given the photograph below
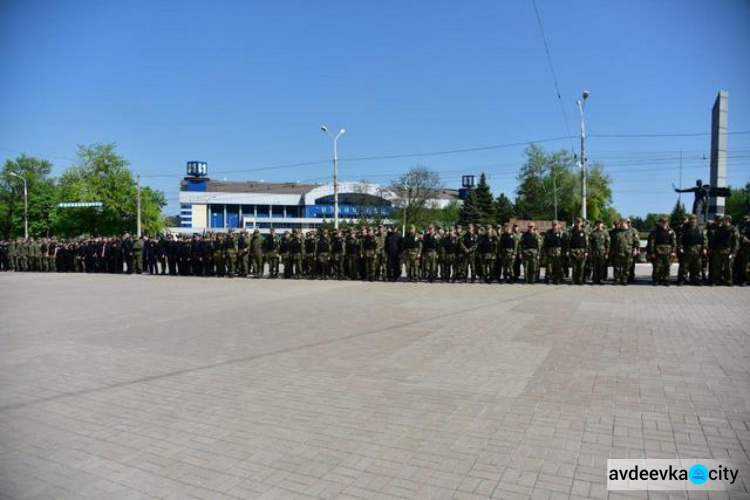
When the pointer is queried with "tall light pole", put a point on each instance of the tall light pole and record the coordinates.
(335, 174)
(25, 205)
(582, 107)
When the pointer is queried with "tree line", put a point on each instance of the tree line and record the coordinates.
(99, 174)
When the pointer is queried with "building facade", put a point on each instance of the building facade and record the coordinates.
(212, 205)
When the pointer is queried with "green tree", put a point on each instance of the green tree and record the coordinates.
(41, 197)
(450, 214)
(485, 202)
(738, 205)
(546, 178)
(678, 215)
(505, 209)
(102, 175)
(470, 212)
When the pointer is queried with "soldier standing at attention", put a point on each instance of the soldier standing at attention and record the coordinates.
(369, 249)
(337, 255)
(256, 254)
(553, 243)
(662, 244)
(323, 253)
(692, 246)
(516, 231)
(487, 248)
(468, 246)
(577, 250)
(242, 254)
(393, 248)
(599, 251)
(380, 253)
(743, 256)
(230, 254)
(621, 249)
(295, 255)
(309, 250)
(429, 254)
(286, 238)
(352, 251)
(449, 245)
(411, 253)
(529, 248)
(636, 249)
(128, 252)
(723, 250)
(506, 252)
(271, 253)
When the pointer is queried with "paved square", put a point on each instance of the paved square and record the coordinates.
(139, 387)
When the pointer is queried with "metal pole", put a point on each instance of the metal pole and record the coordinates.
(581, 107)
(25, 209)
(336, 182)
(583, 166)
(138, 205)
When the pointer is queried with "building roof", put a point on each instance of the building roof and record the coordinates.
(259, 187)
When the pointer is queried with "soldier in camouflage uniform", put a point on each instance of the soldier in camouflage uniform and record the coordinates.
(323, 255)
(661, 248)
(507, 250)
(636, 245)
(577, 248)
(621, 250)
(271, 254)
(338, 250)
(410, 257)
(553, 249)
(743, 256)
(529, 247)
(486, 251)
(430, 245)
(692, 245)
(599, 253)
(467, 247)
(723, 249)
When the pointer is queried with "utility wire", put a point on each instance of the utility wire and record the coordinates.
(554, 74)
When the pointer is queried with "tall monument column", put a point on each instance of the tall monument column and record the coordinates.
(719, 126)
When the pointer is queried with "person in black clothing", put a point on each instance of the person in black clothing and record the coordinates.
(393, 248)
(127, 252)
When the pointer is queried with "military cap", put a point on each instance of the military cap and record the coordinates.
(554, 223)
(578, 219)
(718, 217)
(599, 222)
(663, 219)
(693, 217)
(531, 224)
(728, 217)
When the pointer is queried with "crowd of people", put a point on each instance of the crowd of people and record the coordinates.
(718, 254)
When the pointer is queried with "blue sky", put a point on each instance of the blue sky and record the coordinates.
(246, 85)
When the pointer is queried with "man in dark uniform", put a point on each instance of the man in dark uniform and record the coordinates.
(553, 248)
(338, 251)
(393, 254)
(323, 255)
(127, 252)
(576, 247)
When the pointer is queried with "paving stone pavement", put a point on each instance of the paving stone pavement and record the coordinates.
(159, 387)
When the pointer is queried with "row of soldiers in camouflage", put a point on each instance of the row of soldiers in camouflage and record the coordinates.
(450, 255)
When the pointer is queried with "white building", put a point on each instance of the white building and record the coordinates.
(207, 204)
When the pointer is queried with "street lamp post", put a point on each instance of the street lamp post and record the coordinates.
(582, 107)
(25, 205)
(335, 174)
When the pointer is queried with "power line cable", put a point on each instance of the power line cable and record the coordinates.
(554, 74)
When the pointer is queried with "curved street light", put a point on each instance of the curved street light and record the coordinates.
(335, 173)
(581, 107)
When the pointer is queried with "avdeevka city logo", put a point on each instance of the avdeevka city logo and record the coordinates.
(698, 474)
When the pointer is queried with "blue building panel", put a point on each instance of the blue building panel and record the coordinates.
(197, 185)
